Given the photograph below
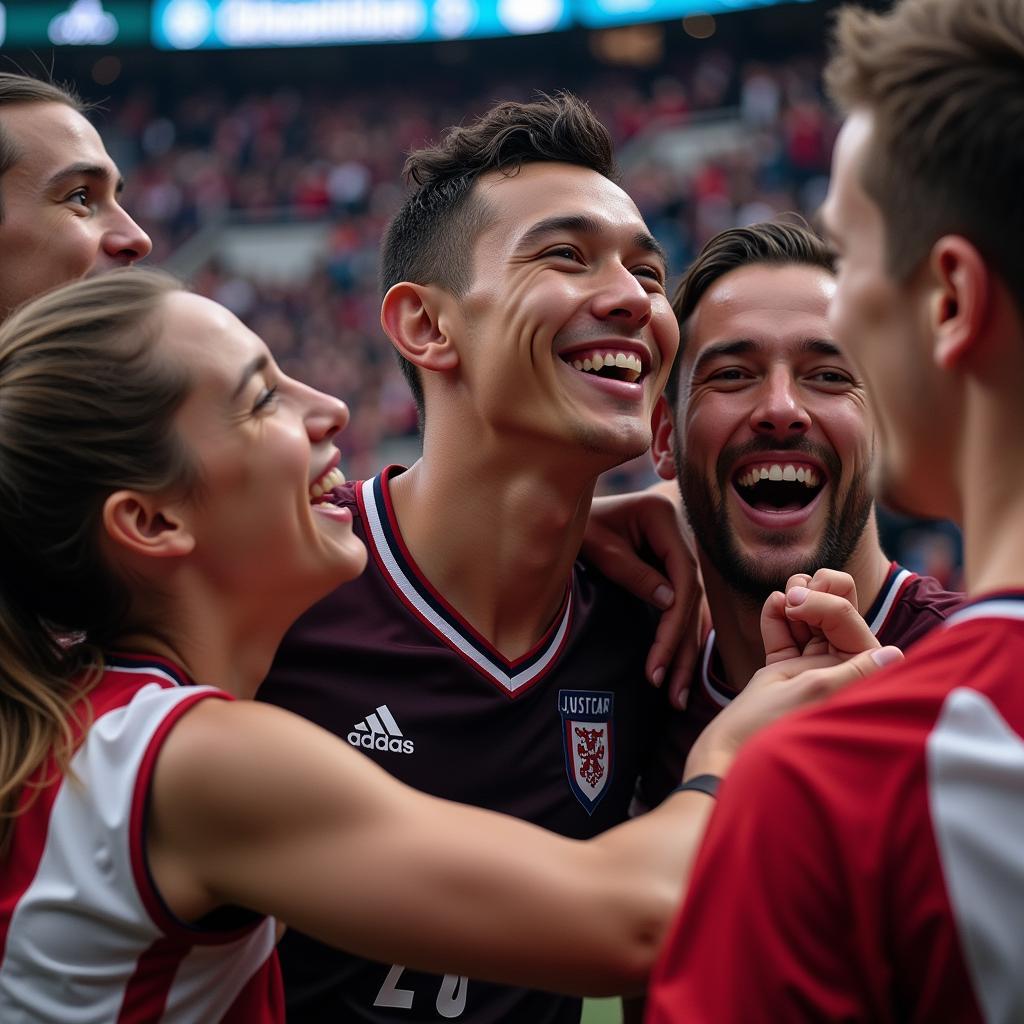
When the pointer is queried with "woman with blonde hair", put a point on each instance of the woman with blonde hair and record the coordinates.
(165, 515)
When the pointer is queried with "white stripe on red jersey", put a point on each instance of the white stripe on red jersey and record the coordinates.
(84, 936)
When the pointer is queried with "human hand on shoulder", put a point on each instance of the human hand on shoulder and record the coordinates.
(641, 542)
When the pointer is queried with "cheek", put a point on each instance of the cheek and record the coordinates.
(665, 330)
(77, 252)
(709, 425)
(848, 427)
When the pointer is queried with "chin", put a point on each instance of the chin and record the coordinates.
(354, 562)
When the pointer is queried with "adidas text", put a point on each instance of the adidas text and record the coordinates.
(369, 741)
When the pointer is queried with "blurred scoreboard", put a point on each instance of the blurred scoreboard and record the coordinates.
(227, 24)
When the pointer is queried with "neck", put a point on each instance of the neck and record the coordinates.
(497, 534)
(737, 617)
(212, 647)
(990, 468)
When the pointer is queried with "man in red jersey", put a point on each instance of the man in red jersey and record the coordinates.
(765, 425)
(864, 861)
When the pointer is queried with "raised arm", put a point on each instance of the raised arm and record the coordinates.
(255, 807)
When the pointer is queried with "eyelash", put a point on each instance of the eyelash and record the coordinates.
(82, 192)
(265, 399)
(571, 253)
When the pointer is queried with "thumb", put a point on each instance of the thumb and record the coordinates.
(819, 683)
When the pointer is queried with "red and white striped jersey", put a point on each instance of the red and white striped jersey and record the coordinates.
(864, 861)
(85, 937)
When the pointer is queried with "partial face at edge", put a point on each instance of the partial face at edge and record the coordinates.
(773, 437)
(61, 215)
(883, 325)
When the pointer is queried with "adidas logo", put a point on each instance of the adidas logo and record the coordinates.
(380, 731)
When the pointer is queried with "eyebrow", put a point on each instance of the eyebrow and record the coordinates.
(87, 170)
(250, 370)
(583, 224)
(746, 346)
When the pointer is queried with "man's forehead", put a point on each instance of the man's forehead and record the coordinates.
(768, 290)
(545, 191)
(846, 197)
(772, 308)
(50, 136)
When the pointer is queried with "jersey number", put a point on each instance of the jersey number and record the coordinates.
(451, 998)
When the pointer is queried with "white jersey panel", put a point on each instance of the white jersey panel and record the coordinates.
(80, 927)
(976, 796)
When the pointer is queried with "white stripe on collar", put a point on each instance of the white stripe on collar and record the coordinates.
(721, 699)
(441, 625)
(890, 598)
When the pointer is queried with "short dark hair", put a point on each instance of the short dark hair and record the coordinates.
(18, 89)
(430, 240)
(776, 243)
(944, 82)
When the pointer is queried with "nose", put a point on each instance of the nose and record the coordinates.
(325, 417)
(124, 241)
(779, 412)
(623, 298)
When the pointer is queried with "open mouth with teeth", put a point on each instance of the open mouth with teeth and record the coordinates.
(320, 490)
(778, 487)
(611, 365)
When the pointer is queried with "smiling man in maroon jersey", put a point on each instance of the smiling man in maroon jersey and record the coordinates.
(477, 658)
(766, 427)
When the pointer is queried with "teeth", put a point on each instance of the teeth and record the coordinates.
(788, 472)
(327, 483)
(628, 361)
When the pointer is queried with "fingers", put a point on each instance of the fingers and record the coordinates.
(684, 667)
(819, 683)
(834, 616)
(777, 631)
(831, 581)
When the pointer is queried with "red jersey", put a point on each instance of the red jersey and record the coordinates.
(84, 935)
(864, 862)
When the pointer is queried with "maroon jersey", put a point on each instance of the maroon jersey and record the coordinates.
(864, 860)
(564, 737)
(907, 607)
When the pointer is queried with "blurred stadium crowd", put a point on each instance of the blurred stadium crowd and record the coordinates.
(711, 143)
(309, 154)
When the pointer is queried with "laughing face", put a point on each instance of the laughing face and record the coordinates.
(773, 439)
(568, 334)
(267, 531)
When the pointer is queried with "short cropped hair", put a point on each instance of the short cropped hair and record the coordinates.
(944, 81)
(430, 240)
(777, 243)
(17, 89)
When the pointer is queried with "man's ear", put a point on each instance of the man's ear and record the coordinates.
(146, 525)
(416, 319)
(959, 303)
(663, 442)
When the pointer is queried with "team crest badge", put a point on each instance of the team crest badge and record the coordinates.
(588, 743)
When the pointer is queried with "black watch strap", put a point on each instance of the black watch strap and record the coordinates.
(702, 784)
